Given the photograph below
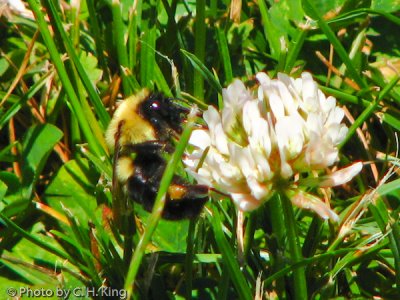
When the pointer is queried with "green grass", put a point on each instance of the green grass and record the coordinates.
(61, 75)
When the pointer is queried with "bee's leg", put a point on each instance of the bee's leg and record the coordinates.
(122, 212)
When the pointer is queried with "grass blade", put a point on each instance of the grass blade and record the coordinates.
(230, 260)
(199, 66)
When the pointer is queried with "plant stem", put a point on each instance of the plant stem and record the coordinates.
(189, 259)
(300, 284)
(119, 31)
(200, 46)
(249, 235)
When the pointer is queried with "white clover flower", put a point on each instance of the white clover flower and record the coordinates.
(16, 7)
(256, 144)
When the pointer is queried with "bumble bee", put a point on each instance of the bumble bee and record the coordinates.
(141, 133)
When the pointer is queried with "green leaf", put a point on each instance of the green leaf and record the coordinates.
(25, 257)
(391, 119)
(73, 189)
(386, 5)
(3, 190)
(13, 185)
(37, 144)
(199, 47)
(40, 241)
(389, 187)
(31, 263)
(7, 281)
(270, 31)
(15, 108)
(315, 8)
(224, 54)
(4, 64)
(89, 63)
(148, 43)
(169, 235)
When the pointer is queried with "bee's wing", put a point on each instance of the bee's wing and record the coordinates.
(122, 208)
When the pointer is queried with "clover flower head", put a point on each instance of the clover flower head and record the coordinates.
(17, 7)
(274, 140)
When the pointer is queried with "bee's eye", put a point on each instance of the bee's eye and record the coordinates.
(155, 105)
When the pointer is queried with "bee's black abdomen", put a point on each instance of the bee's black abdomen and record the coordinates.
(143, 187)
(144, 193)
(144, 183)
(141, 192)
(187, 208)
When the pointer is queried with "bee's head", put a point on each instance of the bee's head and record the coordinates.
(163, 113)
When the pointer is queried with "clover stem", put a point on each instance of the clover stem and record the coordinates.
(300, 284)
